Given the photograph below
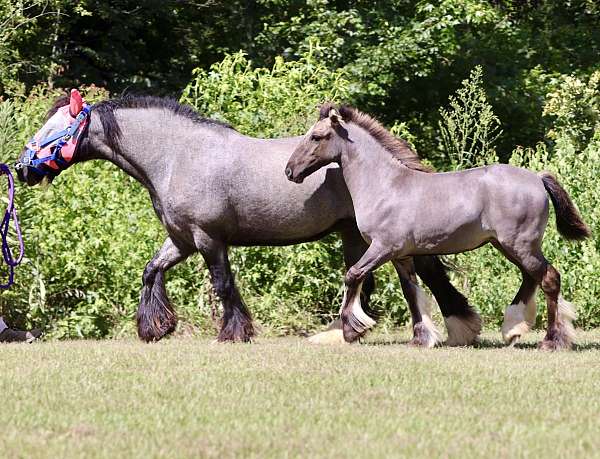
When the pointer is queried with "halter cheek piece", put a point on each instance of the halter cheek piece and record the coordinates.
(54, 160)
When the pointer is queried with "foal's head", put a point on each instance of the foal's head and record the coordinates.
(323, 144)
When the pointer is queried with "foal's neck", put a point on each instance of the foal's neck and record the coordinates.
(369, 166)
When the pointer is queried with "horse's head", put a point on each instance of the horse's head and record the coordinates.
(53, 147)
(322, 144)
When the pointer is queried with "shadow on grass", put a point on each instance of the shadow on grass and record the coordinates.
(483, 343)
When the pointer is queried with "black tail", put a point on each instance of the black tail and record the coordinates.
(568, 221)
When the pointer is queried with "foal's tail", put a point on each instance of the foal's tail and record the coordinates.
(569, 222)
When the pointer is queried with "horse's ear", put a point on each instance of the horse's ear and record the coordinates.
(76, 103)
(335, 116)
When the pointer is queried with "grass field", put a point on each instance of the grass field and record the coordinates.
(188, 397)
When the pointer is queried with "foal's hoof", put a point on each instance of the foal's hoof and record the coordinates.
(335, 336)
(558, 339)
(513, 340)
(351, 335)
(423, 342)
(552, 345)
(423, 337)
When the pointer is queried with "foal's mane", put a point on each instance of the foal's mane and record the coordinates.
(400, 149)
(107, 108)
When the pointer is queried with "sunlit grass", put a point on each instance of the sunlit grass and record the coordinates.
(188, 397)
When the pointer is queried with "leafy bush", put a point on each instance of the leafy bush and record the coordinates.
(89, 236)
(469, 127)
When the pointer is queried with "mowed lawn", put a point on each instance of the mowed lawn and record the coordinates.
(189, 397)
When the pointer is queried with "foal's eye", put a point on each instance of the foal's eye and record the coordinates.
(318, 137)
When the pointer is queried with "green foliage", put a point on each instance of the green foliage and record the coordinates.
(469, 127)
(575, 107)
(266, 102)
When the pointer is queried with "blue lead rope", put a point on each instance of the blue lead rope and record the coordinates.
(10, 214)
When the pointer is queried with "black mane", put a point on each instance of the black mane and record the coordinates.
(106, 110)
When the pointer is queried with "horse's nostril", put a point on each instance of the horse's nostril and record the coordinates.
(288, 172)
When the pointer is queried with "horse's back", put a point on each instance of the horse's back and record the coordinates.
(517, 199)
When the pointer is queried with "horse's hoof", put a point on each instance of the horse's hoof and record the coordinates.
(552, 345)
(424, 336)
(238, 338)
(422, 342)
(335, 336)
(513, 340)
(351, 335)
(236, 331)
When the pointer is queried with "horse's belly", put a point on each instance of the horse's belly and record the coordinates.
(457, 239)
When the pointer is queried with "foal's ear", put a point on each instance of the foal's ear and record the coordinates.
(76, 103)
(335, 116)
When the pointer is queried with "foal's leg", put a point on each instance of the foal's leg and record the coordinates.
(237, 321)
(355, 322)
(519, 317)
(425, 332)
(155, 316)
(560, 333)
(354, 247)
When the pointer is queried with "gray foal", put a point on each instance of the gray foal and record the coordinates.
(402, 212)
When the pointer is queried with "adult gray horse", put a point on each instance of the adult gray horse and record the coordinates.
(213, 187)
(403, 213)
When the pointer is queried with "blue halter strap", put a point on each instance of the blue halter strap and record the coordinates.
(30, 158)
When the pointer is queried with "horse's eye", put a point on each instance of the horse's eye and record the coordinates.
(316, 137)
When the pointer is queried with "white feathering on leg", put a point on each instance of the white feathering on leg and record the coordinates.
(424, 305)
(518, 319)
(567, 314)
(462, 331)
(359, 320)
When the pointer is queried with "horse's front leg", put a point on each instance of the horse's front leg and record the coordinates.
(156, 316)
(354, 247)
(355, 322)
(237, 321)
(425, 333)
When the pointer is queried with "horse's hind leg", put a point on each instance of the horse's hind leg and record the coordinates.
(155, 316)
(560, 333)
(354, 247)
(237, 321)
(519, 316)
(425, 333)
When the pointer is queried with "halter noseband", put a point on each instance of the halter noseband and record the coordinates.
(54, 159)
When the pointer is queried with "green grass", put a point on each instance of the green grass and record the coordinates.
(188, 397)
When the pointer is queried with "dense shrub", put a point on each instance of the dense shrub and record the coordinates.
(89, 235)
